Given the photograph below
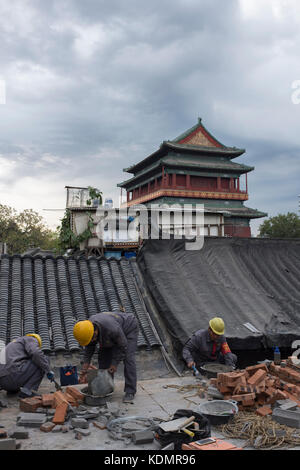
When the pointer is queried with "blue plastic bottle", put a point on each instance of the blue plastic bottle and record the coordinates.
(277, 356)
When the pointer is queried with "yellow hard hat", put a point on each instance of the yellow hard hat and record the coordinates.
(36, 337)
(217, 325)
(83, 331)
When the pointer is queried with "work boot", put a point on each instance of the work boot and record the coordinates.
(128, 398)
(26, 393)
(12, 392)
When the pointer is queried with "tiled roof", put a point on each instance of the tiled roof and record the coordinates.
(48, 295)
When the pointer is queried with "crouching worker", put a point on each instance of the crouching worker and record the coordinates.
(116, 334)
(209, 345)
(23, 364)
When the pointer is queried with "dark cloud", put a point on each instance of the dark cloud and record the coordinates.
(95, 86)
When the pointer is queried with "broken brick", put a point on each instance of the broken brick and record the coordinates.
(47, 427)
(30, 405)
(258, 377)
(58, 399)
(60, 413)
(244, 398)
(264, 411)
(47, 399)
(71, 399)
(253, 369)
(75, 393)
(224, 390)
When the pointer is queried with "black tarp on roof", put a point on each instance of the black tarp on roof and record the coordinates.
(47, 295)
(254, 281)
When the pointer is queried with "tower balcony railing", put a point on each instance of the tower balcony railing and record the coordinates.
(135, 195)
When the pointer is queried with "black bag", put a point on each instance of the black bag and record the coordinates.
(68, 375)
(165, 438)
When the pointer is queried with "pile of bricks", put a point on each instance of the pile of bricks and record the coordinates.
(260, 386)
(60, 401)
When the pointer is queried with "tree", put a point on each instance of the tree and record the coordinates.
(24, 230)
(281, 226)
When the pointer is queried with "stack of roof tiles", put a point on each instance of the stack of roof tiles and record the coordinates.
(259, 385)
(47, 295)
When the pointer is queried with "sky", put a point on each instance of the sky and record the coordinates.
(89, 88)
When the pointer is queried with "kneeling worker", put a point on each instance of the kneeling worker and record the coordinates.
(23, 364)
(116, 333)
(209, 345)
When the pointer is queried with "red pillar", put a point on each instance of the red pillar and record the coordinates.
(188, 181)
(247, 183)
(174, 180)
(219, 183)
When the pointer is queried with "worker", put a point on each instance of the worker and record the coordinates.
(23, 365)
(116, 334)
(209, 345)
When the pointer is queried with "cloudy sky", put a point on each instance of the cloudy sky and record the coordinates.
(94, 86)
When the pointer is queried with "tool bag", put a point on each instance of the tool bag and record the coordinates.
(179, 438)
(68, 375)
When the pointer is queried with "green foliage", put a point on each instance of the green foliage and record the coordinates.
(67, 238)
(281, 226)
(21, 231)
(94, 194)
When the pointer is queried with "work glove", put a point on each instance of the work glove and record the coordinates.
(50, 376)
(82, 378)
(191, 365)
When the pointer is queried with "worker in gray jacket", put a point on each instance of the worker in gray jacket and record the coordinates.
(209, 345)
(23, 364)
(116, 334)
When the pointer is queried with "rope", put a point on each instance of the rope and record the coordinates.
(260, 432)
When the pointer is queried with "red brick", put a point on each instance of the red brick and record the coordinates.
(60, 413)
(253, 369)
(71, 399)
(231, 379)
(223, 389)
(270, 382)
(264, 411)
(47, 427)
(76, 394)
(47, 399)
(30, 405)
(244, 398)
(258, 377)
(58, 398)
(261, 399)
(248, 403)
